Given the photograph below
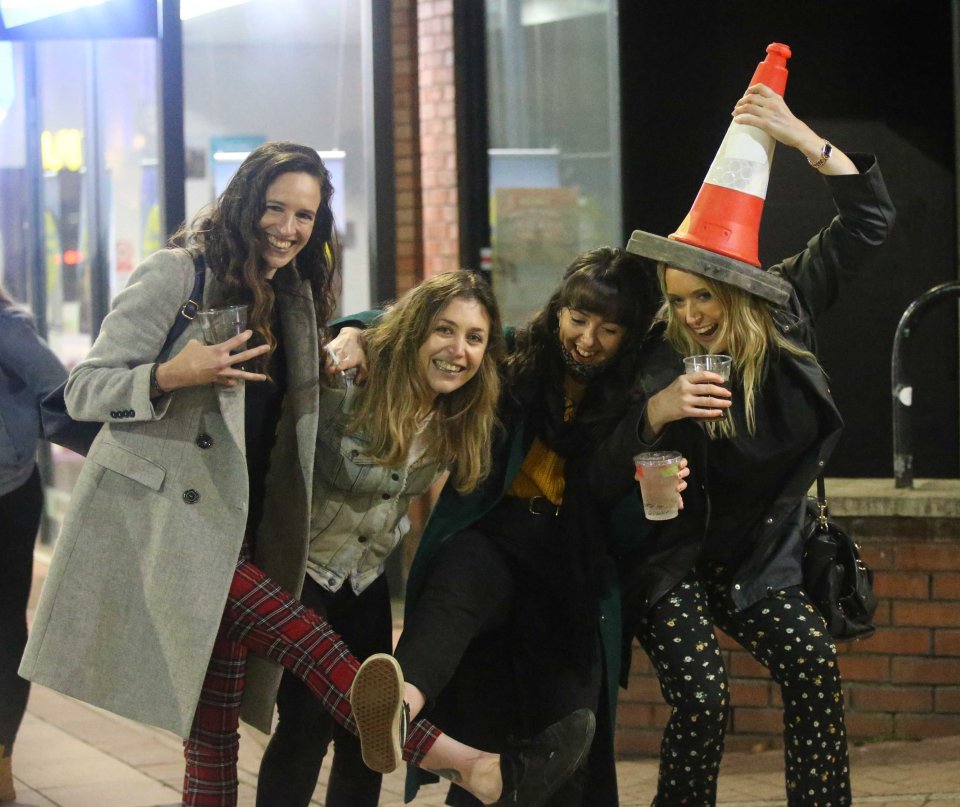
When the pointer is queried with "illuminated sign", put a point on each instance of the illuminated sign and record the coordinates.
(78, 19)
(197, 8)
(8, 90)
(22, 12)
(61, 149)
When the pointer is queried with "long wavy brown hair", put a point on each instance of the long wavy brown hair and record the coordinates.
(229, 235)
(390, 407)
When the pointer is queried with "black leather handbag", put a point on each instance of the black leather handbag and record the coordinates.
(835, 576)
(78, 435)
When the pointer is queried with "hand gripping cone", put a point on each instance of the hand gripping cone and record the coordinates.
(718, 238)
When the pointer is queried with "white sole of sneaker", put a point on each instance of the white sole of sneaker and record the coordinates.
(376, 699)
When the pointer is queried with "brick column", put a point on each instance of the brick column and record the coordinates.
(406, 136)
(438, 147)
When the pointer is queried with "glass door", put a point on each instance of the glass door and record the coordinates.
(97, 122)
(79, 200)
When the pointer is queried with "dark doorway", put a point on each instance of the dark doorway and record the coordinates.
(869, 75)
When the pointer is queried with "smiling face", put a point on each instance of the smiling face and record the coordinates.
(289, 213)
(696, 308)
(588, 338)
(455, 345)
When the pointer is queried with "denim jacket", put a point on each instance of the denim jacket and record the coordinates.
(359, 506)
(28, 371)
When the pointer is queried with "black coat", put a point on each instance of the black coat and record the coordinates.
(653, 559)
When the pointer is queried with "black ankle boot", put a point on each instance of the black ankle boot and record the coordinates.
(534, 769)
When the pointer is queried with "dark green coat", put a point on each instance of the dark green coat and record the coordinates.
(455, 512)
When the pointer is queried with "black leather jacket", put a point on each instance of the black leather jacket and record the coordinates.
(654, 558)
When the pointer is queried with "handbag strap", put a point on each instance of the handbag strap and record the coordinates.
(822, 513)
(189, 309)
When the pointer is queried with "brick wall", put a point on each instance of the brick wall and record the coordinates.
(406, 144)
(428, 236)
(903, 682)
(438, 132)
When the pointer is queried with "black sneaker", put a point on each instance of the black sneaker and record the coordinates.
(376, 699)
(533, 770)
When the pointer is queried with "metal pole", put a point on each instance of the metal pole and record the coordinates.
(955, 27)
(36, 240)
(902, 389)
(36, 237)
(172, 174)
(96, 197)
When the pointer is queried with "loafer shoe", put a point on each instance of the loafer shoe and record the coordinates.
(376, 699)
(533, 770)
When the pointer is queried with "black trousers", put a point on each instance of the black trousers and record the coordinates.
(292, 760)
(487, 672)
(786, 634)
(20, 512)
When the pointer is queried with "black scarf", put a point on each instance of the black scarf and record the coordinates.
(567, 558)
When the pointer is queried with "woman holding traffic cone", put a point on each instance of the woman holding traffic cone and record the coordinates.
(739, 569)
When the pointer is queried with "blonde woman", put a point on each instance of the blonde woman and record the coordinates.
(732, 560)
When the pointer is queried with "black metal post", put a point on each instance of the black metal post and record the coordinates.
(382, 208)
(172, 175)
(96, 198)
(902, 389)
(473, 162)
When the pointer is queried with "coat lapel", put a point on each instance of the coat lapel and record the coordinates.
(302, 344)
(230, 399)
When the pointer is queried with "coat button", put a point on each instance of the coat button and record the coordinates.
(736, 587)
(395, 476)
(362, 539)
(204, 441)
(354, 453)
(331, 581)
(114, 413)
(769, 521)
(384, 496)
(191, 496)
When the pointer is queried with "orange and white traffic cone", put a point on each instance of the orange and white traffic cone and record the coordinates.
(719, 236)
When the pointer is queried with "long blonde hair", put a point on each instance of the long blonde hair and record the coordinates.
(389, 407)
(747, 330)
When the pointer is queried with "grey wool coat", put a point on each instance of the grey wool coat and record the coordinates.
(142, 567)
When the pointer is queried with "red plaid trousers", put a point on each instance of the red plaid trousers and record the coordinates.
(260, 617)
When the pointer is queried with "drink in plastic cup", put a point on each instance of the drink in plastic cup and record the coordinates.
(657, 474)
(220, 324)
(710, 362)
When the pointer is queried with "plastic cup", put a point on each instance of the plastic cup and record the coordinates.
(220, 324)
(657, 474)
(708, 362)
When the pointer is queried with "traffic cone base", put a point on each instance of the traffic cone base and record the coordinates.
(713, 265)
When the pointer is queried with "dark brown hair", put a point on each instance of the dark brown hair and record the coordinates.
(229, 234)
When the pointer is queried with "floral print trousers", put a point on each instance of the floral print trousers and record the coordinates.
(786, 634)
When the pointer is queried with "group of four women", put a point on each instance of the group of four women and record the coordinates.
(235, 501)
